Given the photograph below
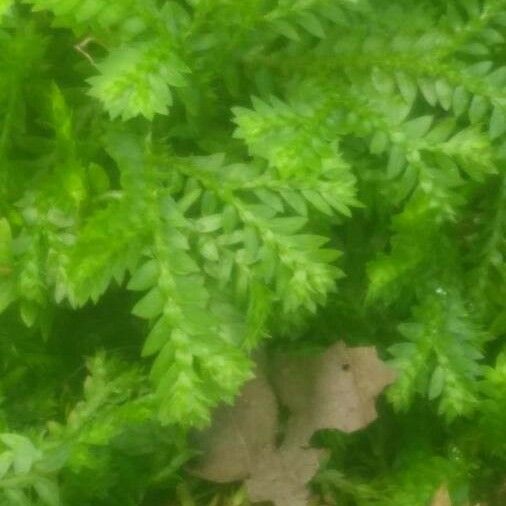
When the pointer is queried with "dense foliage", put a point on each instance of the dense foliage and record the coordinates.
(186, 181)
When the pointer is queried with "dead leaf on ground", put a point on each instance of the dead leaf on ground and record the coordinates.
(441, 497)
(334, 390)
(281, 475)
(239, 434)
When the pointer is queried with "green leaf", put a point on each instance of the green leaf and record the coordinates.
(48, 491)
(396, 161)
(476, 49)
(418, 127)
(24, 452)
(209, 223)
(480, 69)
(436, 385)
(270, 198)
(444, 93)
(407, 87)
(251, 243)
(379, 142)
(6, 460)
(382, 81)
(29, 312)
(135, 80)
(145, 277)
(294, 199)
(209, 250)
(189, 199)
(157, 337)
(151, 305)
(428, 89)
(287, 225)
(478, 109)
(285, 28)
(461, 99)
(311, 23)
(17, 497)
(315, 199)
(497, 125)
(442, 131)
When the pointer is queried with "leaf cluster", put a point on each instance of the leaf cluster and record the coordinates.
(183, 181)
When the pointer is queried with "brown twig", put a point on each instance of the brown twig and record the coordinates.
(81, 48)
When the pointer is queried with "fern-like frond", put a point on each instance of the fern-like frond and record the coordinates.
(440, 358)
(136, 80)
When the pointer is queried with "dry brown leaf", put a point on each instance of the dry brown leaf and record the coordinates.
(239, 434)
(281, 475)
(334, 390)
(441, 497)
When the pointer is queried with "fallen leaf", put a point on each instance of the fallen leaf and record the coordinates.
(239, 434)
(334, 390)
(441, 497)
(281, 475)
